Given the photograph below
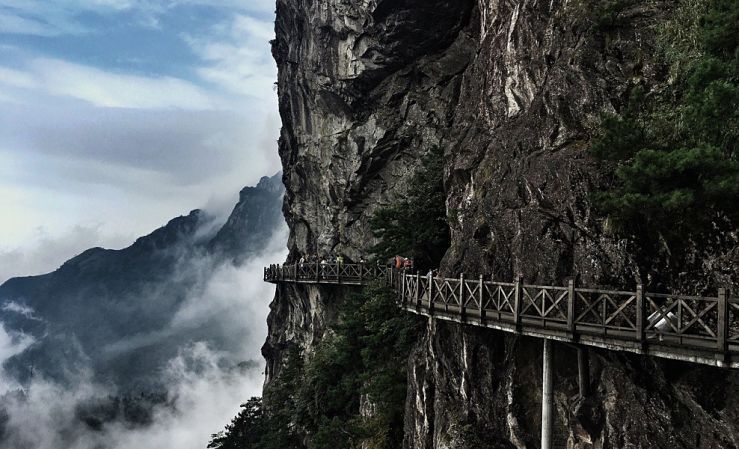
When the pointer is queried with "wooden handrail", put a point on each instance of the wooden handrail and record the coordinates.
(702, 329)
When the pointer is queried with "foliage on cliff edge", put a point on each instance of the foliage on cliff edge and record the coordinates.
(676, 176)
(359, 366)
(416, 226)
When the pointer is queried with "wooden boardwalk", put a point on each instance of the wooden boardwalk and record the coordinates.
(699, 329)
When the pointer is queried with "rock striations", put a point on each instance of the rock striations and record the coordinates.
(513, 91)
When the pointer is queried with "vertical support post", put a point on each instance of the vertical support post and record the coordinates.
(723, 323)
(571, 325)
(318, 271)
(431, 293)
(462, 309)
(546, 396)
(481, 296)
(517, 300)
(583, 371)
(418, 290)
(640, 313)
(361, 273)
(402, 286)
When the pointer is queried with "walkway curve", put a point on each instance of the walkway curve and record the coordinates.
(698, 329)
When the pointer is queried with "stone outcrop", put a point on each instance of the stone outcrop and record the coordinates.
(513, 91)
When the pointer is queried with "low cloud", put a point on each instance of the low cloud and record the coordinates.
(205, 383)
(20, 309)
(11, 344)
(203, 397)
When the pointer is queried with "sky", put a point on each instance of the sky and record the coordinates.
(118, 115)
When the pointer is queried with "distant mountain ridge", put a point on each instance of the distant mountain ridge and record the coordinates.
(111, 310)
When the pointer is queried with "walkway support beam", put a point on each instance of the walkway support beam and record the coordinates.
(547, 396)
(583, 371)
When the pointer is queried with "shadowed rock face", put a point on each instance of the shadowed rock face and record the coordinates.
(513, 91)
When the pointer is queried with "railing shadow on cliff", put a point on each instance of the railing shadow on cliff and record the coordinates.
(700, 329)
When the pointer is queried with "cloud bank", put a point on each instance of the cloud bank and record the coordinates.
(206, 386)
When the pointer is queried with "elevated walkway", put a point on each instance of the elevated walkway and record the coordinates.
(698, 329)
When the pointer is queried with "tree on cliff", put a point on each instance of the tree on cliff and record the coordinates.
(416, 226)
(244, 431)
(319, 399)
(676, 176)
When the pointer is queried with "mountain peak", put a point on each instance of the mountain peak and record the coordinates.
(271, 184)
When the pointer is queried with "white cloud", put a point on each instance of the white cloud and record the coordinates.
(80, 144)
(238, 57)
(204, 390)
(17, 78)
(11, 344)
(53, 18)
(13, 24)
(20, 309)
(202, 399)
(106, 89)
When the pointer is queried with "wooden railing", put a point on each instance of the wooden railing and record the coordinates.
(693, 328)
(317, 273)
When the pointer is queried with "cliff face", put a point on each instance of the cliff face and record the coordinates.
(513, 91)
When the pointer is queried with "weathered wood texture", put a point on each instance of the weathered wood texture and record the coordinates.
(700, 329)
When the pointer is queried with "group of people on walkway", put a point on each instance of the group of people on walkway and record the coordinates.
(325, 260)
(400, 262)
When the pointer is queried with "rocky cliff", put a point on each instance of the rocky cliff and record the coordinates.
(513, 92)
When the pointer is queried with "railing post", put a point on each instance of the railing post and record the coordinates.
(481, 295)
(723, 324)
(402, 286)
(318, 272)
(640, 313)
(431, 293)
(517, 299)
(462, 308)
(418, 290)
(361, 273)
(571, 325)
